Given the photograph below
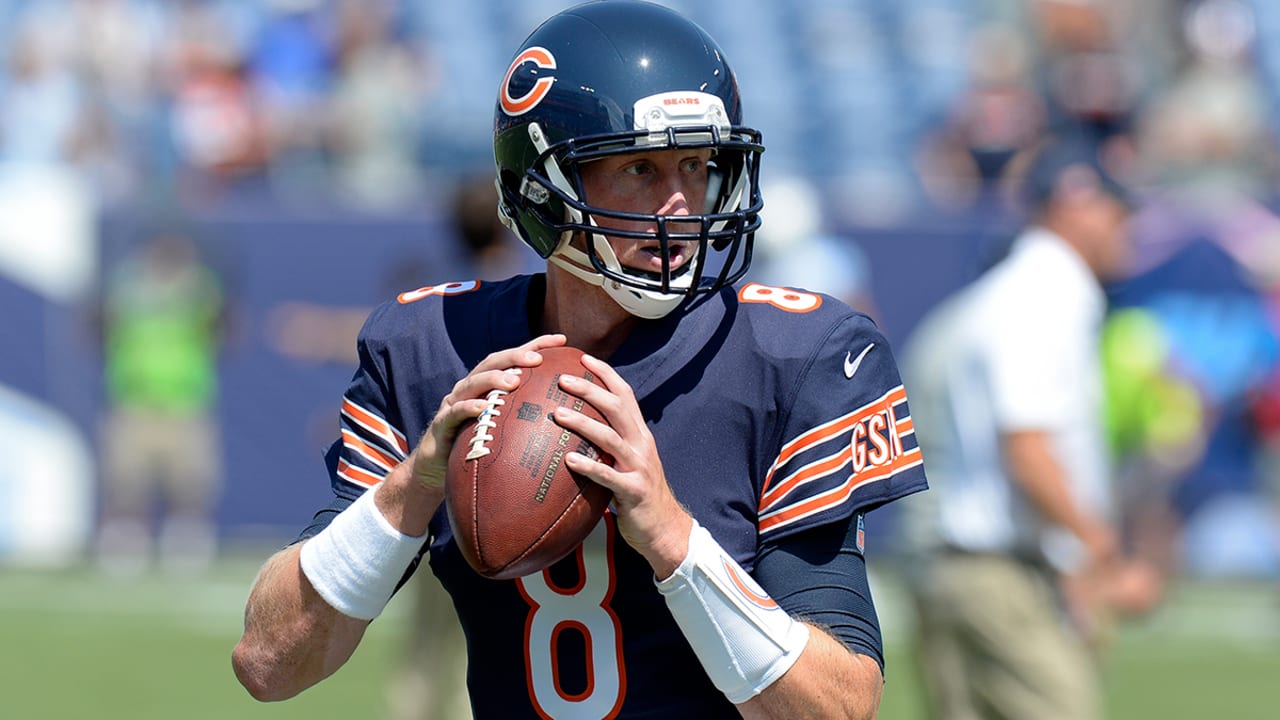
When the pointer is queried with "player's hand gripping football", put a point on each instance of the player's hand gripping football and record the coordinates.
(650, 518)
(466, 401)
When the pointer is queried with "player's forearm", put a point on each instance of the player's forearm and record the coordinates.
(292, 638)
(827, 681)
(406, 502)
(765, 661)
(1033, 466)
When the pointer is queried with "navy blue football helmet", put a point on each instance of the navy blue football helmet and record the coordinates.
(623, 76)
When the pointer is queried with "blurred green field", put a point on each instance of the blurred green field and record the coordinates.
(74, 644)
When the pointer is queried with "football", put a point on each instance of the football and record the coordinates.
(514, 506)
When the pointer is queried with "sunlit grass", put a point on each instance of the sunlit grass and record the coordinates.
(75, 644)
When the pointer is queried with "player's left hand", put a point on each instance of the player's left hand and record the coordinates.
(650, 518)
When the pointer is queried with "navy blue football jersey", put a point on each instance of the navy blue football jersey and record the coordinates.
(774, 411)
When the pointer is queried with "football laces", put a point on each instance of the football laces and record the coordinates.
(485, 423)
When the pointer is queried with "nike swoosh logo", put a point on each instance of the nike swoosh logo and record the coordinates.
(851, 363)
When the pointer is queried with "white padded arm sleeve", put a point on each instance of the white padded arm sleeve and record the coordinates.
(743, 639)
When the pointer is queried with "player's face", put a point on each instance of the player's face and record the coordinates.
(662, 182)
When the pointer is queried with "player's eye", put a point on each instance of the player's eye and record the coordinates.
(642, 167)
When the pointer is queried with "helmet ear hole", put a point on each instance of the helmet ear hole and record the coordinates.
(715, 185)
(510, 181)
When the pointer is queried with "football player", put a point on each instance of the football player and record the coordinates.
(752, 427)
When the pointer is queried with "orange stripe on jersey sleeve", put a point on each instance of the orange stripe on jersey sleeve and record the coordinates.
(824, 433)
(905, 426)
(371, 453)
(376, 425)
(359, 476)
(808, 473)
(836, 496)
(807, 440)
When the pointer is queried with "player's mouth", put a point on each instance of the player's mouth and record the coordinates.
(678, 256)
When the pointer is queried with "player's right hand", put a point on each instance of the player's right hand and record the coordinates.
(650, 518)
(467, 400)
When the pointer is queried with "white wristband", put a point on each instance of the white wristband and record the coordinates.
(356, 562)
(742, 638)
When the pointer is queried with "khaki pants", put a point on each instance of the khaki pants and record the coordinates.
(152, 456)
(165, 464)
(994, 643)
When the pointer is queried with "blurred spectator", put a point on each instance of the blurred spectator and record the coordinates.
(216, 127)
(380, 88)
(1091, 85)
(1192, 349)
(491, 251)
(163, 313)
(114, 46)
(1000, 114)
(290, 69)
(1155, 424)
(40, 101)
(1206, 136)
(1019, 558)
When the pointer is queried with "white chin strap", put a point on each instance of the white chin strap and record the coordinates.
(646, 304)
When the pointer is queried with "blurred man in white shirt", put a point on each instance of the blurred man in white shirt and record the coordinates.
(1017, 540)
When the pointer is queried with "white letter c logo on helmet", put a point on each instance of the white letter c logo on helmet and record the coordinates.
(540, 57)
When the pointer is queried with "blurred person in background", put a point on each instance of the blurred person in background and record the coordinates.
(375, 126)
(162, 321)
(114, 47)
(1205, 141)
(41, 100)
(1000, 113)
(1018, 560)
(1091, 83)
(214, 124)
(291, 62)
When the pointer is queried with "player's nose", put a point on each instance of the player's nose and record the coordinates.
(675, 188)
(676, 203)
